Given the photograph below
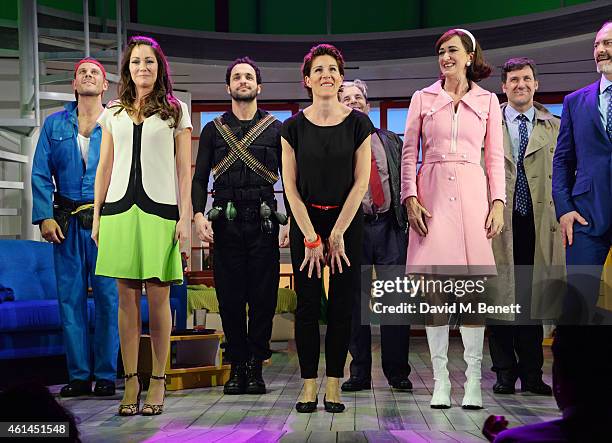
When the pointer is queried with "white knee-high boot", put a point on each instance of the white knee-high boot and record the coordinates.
(473, 342)
(437, 339)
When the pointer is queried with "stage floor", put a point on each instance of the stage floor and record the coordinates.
(378, 415)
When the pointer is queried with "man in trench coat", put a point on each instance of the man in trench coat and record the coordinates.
(529, 253)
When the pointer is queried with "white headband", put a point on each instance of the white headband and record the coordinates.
(469, 34)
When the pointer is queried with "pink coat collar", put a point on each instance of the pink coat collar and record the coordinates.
(470, 99)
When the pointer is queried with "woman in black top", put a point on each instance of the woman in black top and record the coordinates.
(326, 168)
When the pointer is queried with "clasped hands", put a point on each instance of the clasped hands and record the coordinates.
(330, 252)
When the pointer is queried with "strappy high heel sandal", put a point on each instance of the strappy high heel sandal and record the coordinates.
(149, 409)
(132, 408)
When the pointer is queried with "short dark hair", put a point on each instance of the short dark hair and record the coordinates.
(316, 51)
(514, 64)
(239, 61)
(479, 69)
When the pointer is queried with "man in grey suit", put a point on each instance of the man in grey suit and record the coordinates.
(384, 244)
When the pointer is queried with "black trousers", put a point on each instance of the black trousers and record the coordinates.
(384, 244)
(342, 288)
(246, 271)
(507, 342)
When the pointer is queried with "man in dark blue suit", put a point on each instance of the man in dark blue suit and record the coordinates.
(582, 188)
(582, 192)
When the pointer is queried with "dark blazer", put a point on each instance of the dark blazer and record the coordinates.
(582, 163)
(393, 149)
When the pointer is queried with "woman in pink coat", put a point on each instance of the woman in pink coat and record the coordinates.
(453, 215)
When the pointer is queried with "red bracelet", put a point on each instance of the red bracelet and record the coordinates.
(313, 244)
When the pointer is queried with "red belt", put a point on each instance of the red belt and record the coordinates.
(323, 207)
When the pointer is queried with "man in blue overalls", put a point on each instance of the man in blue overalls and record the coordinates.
(63, 175)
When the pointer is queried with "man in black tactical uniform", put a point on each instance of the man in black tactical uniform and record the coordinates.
(243, 150)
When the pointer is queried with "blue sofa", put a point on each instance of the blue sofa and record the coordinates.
(30, 326)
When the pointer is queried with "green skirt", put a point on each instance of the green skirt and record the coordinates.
(139, 246)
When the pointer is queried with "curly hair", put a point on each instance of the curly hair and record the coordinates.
(316, 51)
(479, 69)
(161, 99)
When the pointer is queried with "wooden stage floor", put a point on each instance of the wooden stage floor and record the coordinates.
(378, 415)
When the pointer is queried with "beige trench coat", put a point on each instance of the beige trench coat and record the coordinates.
(549, 259)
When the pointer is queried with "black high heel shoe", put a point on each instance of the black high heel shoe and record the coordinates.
(149, 409)
(132, 408)
(333, 407)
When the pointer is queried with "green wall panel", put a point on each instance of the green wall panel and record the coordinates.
(75, 6)
(104, 8)
(186, 14)
(354, 16)
(289, 17)
(243, 16)
(447, 13)
(8, 10)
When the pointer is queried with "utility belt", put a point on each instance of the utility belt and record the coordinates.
(255, 193)
(64, 209)
(261, 206)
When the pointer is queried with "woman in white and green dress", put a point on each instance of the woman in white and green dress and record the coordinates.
(138, 222)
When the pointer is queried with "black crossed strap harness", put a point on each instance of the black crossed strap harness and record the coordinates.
(239, 149)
